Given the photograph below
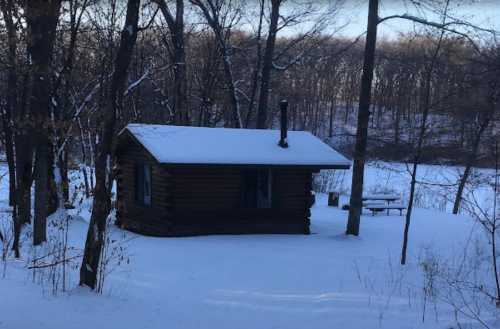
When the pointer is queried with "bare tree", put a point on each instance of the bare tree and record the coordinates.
(426, 107)
(267, 64)
(355, 204)
(485, 118)
(17, 135)
(356, 201)
(42, 20)
(102, 198)
(256, 70)
(221, 17)
(7, 8)
(175, 22)
(62, 106)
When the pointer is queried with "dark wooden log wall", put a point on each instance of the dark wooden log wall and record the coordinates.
(151, 220)
(208, 201)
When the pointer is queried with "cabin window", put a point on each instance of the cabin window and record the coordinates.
(143, 185)
(257, 189)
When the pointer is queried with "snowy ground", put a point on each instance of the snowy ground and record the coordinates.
(436, 188)
(324, 280)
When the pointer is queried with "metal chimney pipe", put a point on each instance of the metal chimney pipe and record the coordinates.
(284, 124)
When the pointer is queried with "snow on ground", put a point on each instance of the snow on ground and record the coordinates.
(323, 280)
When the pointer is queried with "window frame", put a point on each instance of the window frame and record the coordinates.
(143, 171)
(250, 191)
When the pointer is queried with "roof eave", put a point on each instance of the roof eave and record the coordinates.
(312, 167)
(126, 132)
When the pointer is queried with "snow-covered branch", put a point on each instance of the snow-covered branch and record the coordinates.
(445, 26)
(136, 83)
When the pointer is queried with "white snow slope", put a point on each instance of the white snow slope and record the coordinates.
(323, 280)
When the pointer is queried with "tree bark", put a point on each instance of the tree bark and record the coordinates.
(176, 27)
(331, 117)
(102, 199)
(24, 143)
(42, 19)
(63, 166)
(180, 74)
(52, 194)
(24, 176)
(83, 165)
(257, 66)
(228, 73)
(356, 200)
(267, 65)
(7, 9)
(41, 190)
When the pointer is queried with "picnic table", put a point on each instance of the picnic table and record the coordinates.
(381, 207)
(381, 197)
(368, 203)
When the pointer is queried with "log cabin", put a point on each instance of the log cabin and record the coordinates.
(182, 181)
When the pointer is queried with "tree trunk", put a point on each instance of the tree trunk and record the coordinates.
(63, 166)
(356, 200)
(256, 70)
(176, 27)
(233, 98)
(9, 152)
(331, 117)
(180, 81)
(23, 141)
(421, 137)
(17, 231)
(102, 200)
(409, 209)
(471, 159)
(83, 166)
(52, 194)
(24, 166)
(267, 65)
(7, 9)
(397, 124)
(41, 190)
(42, 19)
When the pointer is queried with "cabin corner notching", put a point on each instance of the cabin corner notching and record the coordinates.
(178, 181)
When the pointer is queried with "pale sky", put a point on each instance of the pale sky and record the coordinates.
(353, 15)
(484, 13)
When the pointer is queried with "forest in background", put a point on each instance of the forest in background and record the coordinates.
(318, 73)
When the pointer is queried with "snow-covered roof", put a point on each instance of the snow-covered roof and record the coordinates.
(227, 146)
